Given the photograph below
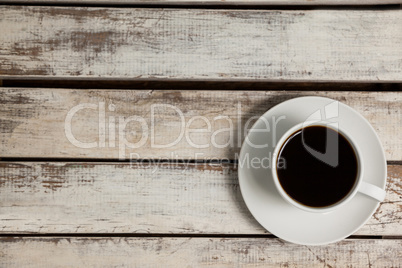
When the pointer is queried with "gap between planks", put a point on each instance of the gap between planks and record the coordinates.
(106, 235)
(202, 85)
(106, 160)
(227, 4)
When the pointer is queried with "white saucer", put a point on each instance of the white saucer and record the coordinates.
(278, 216)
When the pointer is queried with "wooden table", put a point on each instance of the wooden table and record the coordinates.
(93, 92)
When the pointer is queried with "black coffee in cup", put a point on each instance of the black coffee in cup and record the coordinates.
(310, 180)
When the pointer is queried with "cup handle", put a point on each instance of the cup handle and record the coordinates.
(371, 190)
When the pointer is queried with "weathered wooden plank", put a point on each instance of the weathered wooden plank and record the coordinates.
(194, 252)
(214, 2)
(145, 198)
(131, 43)
(35, 122)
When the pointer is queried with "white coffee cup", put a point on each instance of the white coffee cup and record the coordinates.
(360, 186)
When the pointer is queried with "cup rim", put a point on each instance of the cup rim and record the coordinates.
(297, 204)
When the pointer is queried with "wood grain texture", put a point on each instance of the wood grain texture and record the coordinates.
(145, 198)
(197, 44)
(194, 252)
(33, 121)
(212, 2)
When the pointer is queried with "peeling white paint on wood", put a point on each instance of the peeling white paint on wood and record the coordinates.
(33, 121)
(194, 252)
(213, 2)
(145, 198)
(132, 43)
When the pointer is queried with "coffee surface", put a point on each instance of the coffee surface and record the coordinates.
(309, 179)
